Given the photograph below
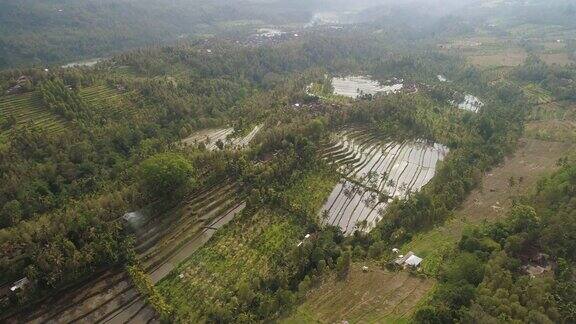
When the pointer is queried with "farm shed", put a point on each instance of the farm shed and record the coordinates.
(413, 261)
(408, 260)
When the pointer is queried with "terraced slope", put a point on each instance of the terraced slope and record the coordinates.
(162, 243)
(108, 102)
(28, 109)
(210, 137)
(257, 247)
(374, 171)
(248, 250)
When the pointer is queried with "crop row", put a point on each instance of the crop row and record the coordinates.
(161, 244)
(28, 108)
(248, 251)
(374, 172)
(110, 102)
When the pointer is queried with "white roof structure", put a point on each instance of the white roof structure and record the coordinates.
(132, 216)
(410, 259)
(19, 284)
(413, 261)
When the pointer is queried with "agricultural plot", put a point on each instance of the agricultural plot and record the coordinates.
(253, 248)
(471, 103)
(356, 86)
(109, 102)
(211, 138)
(374, 172)
(28, 109)
(161, 244)
(376, 296)
(249, 250)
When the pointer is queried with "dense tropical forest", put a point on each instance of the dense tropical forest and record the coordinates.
(241, 174)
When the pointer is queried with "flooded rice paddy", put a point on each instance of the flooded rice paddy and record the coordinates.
(356, 86)
(375, 171)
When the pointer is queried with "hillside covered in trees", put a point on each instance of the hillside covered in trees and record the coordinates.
(234, 179)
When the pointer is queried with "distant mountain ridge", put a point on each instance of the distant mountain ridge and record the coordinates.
(56, 31)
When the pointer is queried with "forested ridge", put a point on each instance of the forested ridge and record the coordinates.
(45, 32)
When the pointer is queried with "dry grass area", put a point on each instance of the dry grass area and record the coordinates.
(507, 58)
(557, 58)
(377, 296)
(552, 130)
(533, 159)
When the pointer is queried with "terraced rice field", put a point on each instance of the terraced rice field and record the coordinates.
(28, 108)
(161, 244)
(374, 171)
(355, 86)
(109, 102)
(471, 103)
(210, 138)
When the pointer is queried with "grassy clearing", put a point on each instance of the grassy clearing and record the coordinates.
(537, 94)
(376, 296)
(311, 191)
(553, 121)
(557, 58)
(552, 130)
